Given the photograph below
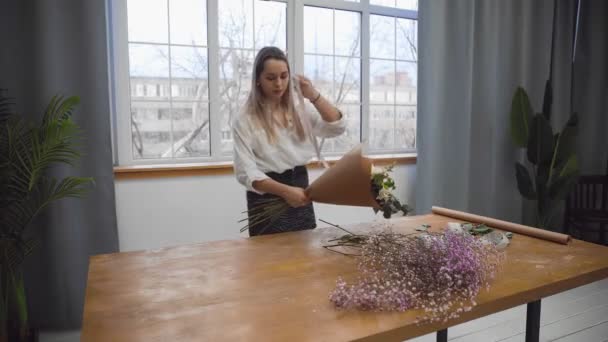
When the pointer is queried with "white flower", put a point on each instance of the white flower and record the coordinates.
(384, 194)
(376, 170)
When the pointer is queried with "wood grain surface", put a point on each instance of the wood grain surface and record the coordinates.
(275, 288)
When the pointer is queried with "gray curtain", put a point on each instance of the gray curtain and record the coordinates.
(60, 47)
(590, 79)
(473, 55)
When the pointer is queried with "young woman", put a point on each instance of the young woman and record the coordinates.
(273, 141)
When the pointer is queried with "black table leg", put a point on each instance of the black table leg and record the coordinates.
(442, 335)
(533, 321)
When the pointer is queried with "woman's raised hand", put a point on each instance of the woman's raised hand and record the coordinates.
(308, 90)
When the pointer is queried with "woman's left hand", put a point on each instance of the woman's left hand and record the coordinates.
(308, 91)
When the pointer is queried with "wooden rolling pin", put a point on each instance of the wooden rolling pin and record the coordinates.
(504, 225)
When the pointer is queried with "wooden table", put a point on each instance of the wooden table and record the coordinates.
(275, 288)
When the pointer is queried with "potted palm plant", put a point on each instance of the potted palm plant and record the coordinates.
(27, 151)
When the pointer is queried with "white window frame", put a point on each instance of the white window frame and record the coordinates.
(118, 55)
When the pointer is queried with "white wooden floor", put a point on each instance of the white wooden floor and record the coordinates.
(578, 315)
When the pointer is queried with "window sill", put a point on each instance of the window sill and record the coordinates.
(222, 168)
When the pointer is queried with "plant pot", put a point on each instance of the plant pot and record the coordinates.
(31, 335)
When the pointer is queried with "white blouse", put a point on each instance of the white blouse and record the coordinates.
(254, 155)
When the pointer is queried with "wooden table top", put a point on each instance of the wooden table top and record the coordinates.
(276, 287)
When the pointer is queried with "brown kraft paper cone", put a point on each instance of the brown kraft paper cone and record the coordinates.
(504, 225)
(347, 182)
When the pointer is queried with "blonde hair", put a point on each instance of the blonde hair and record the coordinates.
(256, 104)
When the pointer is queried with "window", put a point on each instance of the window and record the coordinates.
(393, 77)
(245, 26)
(182, 70)
(332, 59)
(167, 49)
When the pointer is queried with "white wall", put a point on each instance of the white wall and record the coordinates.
(162, 212)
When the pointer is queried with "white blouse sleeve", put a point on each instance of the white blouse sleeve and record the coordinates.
(324, 129)
(245, 167)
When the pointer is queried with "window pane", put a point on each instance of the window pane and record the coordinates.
(382, 37)
(408, 4)
(188, 22)
(407, 39)
(189, 72)
(151, 129)
(319, 69)
(236, 23)
(387, 3)
(147, 21)
(405, 134)
(352, 136)
(270, 24)
(235, 82)
(332, 46)
(227, 140)
(318, 30)
(150, 61)
(155, 89)
(402, 4)
(348, 29)
(406, 83)
(381, 127)
(382, 81)
(235, 67)
(347, 80)
(190, 129)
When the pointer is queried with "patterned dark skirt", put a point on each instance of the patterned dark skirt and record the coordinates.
(293, 219)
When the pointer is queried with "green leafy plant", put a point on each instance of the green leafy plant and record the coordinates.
(552, 169)
(27, 151)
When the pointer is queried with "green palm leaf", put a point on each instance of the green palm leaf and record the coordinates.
(6, 106)
(26, 154)
(59, 109)
(54, 143)
(16, 251)
(17, 217)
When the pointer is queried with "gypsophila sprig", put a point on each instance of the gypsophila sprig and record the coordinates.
(440, 274)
